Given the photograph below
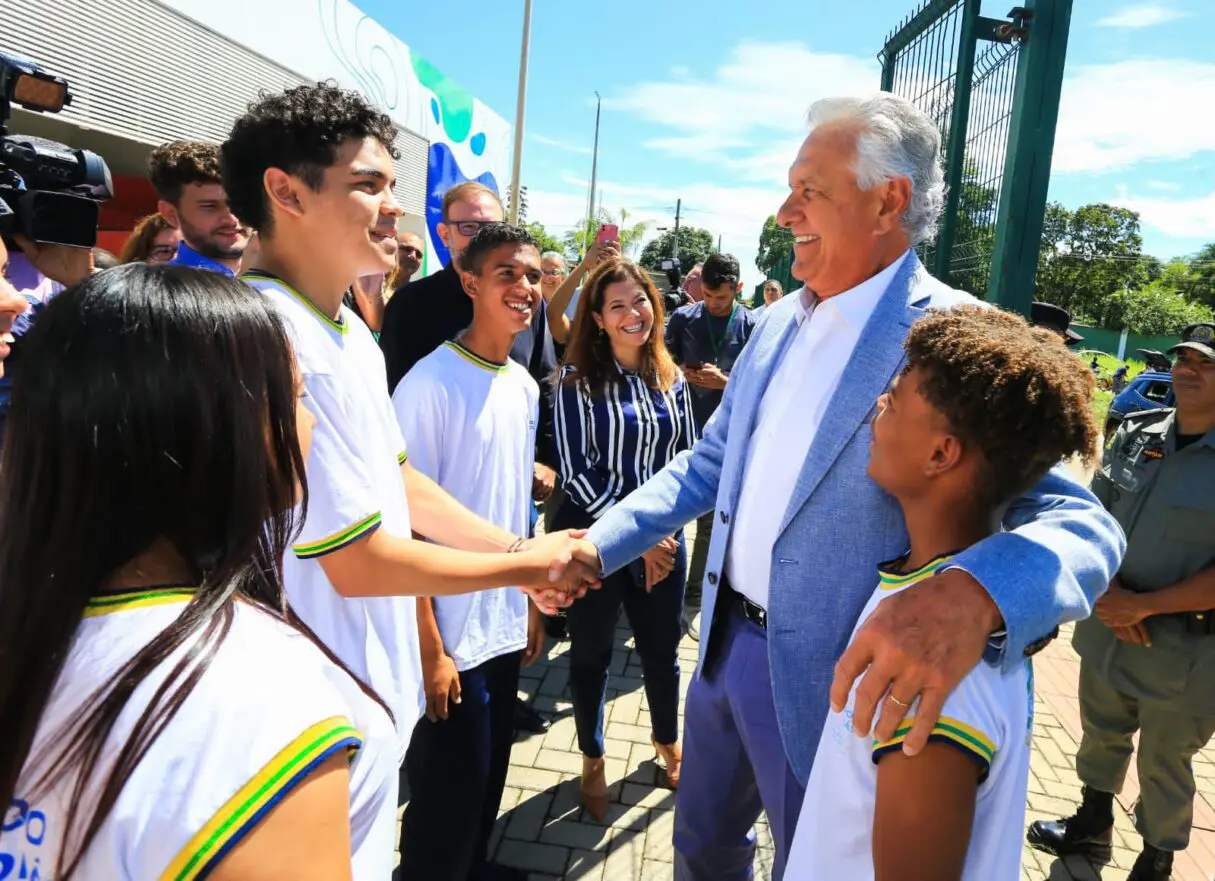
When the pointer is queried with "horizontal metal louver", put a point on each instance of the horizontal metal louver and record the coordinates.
(142, 71)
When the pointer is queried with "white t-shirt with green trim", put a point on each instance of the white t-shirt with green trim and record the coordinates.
(267, 711)
(470, 425)
(989, 717)
(354, 488)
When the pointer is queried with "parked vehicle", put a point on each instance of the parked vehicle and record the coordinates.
(1147, 391)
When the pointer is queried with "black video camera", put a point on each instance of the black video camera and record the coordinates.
(673, 297)
(49, 192)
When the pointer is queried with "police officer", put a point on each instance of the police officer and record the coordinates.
(1147, 656)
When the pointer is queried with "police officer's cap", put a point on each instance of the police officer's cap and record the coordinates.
(1199, 337)
(1055, 318)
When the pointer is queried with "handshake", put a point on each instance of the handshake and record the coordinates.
(566, 566)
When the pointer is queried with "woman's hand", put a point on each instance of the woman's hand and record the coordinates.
(659, 561)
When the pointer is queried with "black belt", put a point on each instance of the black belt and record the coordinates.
(752, 611)
(1195, 623)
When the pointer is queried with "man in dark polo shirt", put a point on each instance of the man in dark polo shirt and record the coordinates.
(426, 313)
(706, 338)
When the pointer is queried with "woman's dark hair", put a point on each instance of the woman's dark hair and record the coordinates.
(158, 406)
(589, 351)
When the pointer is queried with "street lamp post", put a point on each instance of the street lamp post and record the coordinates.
(590, 208)
(520, 109)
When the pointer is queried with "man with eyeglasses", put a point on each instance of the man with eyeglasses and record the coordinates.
(424, 314)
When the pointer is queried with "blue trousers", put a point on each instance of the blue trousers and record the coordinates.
(654, 619)
(734, 761)
(456, 769)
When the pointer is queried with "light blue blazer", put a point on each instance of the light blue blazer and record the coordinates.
(1057, 557)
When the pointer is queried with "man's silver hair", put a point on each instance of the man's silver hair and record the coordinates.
(896, 139)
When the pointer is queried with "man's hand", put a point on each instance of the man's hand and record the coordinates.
(544, 479)
(918, 643)
(535, 635)
(58, 262)
(1136, 634)
(561, 577)
(442, 685)
(1119, 607)
(708, 376)
(659, 561)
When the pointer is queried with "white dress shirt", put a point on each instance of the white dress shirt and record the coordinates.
(789, 416)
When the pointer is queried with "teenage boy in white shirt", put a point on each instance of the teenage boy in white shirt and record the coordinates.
(984, 408)
(311, 170)
(468, 413)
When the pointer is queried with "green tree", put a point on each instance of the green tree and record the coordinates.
(546, 240)
(970, 262)
(522, 204)
(695, 244)
(1096, 254)
(775, 242)
(1155, 310)
(1200, 284)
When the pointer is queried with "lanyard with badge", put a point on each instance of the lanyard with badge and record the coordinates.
(716, 342)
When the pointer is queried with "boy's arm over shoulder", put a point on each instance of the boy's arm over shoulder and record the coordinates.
(925, 804)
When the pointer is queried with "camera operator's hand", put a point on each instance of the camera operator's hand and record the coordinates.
(60, 263)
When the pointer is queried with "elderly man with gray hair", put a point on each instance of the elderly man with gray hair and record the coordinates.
(799, 525)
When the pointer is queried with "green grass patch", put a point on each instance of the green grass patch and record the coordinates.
(1107, 364)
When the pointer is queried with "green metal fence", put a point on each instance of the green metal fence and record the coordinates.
(992, 86)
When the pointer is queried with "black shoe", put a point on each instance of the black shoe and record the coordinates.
(527, 719)
(1089, 832)
(556, 626)
(1152, 865)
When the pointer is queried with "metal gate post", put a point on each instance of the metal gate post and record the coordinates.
(1035, 115)
(955, 153)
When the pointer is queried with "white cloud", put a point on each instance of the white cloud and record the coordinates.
(1145, 16)
(1162, 185)
(744, 117)
(1115, 115)
(559, 144)
(735, 213)
(1180, 218)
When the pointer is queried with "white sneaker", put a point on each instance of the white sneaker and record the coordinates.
(691, 625)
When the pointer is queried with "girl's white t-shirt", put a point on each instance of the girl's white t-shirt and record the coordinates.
(268, 710)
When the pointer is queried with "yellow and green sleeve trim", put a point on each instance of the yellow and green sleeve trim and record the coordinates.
(471, 358)
(402, 457)
(338, 540)
(970, 740)
(136, 599)
(892, 579)
(256, 798)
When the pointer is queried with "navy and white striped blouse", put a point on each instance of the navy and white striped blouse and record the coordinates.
(609, 444)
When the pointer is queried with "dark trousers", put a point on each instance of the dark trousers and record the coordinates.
(654, 619)
(457, 770)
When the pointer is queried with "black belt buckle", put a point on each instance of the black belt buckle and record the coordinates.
(753, 612)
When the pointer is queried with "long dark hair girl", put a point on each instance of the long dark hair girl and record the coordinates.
(157, 410)
(589, 351)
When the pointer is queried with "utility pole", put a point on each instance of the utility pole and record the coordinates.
(719, 243)
(590, 209)
(520, 108)
(675, 238)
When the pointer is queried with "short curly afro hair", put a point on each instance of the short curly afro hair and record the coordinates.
(300, 131)
(1014, 392)
(177, 164)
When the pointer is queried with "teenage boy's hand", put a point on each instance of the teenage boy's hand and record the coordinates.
(544, 480)
(560, 578)
(535, 635)
(442, 685)
(917, 644)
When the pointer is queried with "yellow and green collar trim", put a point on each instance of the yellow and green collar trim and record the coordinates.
(244, 810)
(970, 740)
(338, 540)
(471, 358)
(339, 325)
(890, 578)
(142, 598)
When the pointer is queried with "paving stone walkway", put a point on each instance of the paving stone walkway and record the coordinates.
(541, 828)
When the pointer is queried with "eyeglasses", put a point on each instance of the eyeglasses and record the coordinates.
(468, 227)
(553, 272)
(162, 252)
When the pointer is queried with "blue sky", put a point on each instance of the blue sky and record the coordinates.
(705, 101)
